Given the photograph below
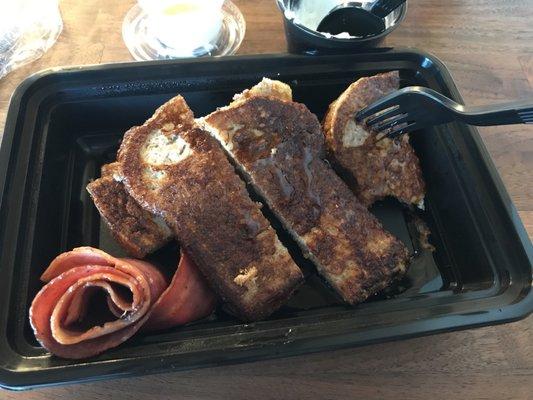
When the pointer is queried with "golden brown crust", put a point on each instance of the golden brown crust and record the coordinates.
(135, 229)
(268, 88)
(280, 146)
(111, 169)
(379, 169)
(206, 205)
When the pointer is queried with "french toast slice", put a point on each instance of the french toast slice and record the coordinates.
(177, 170)
(135, 229)
(378, 168)
(279, 147)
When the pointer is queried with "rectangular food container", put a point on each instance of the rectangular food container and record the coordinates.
(63, 124)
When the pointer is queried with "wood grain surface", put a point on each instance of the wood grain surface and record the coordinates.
(488, 46)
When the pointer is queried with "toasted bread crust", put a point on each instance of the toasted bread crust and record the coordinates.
(379, 169)
(110, 170)
(280, 146)
(267, 88)
(206, 205)
(134, 228)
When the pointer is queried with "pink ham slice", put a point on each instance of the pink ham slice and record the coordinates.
(150, 303)
(188, 298)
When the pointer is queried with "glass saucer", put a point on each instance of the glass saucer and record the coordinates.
(144, 46)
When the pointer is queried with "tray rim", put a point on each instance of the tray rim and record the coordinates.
(514, 312)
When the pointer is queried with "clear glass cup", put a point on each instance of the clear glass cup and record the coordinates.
(161, 29)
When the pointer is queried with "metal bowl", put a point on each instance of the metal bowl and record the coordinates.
(302, 39)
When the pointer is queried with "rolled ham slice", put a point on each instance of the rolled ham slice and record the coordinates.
(188, 298)
(137, 294)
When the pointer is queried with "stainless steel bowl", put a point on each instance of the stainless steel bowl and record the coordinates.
(302, 36)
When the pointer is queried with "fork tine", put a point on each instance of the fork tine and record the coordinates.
(403, 129)
(383, 115)
(380, 105)
(391, 122)
(397, 131)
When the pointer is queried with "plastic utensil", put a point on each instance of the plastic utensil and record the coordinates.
(417, 107)
(352, 18)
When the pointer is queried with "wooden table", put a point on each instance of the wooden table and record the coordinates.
(488, 46)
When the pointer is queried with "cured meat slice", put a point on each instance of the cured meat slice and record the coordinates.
(134, 290)
(187, 298)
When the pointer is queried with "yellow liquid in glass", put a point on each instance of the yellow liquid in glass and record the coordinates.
(180, 8)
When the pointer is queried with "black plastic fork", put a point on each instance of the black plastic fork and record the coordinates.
(417, 107)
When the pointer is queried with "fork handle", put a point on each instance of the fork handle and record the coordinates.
(517, 112)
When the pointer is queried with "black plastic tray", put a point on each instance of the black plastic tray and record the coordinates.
(64, 123)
